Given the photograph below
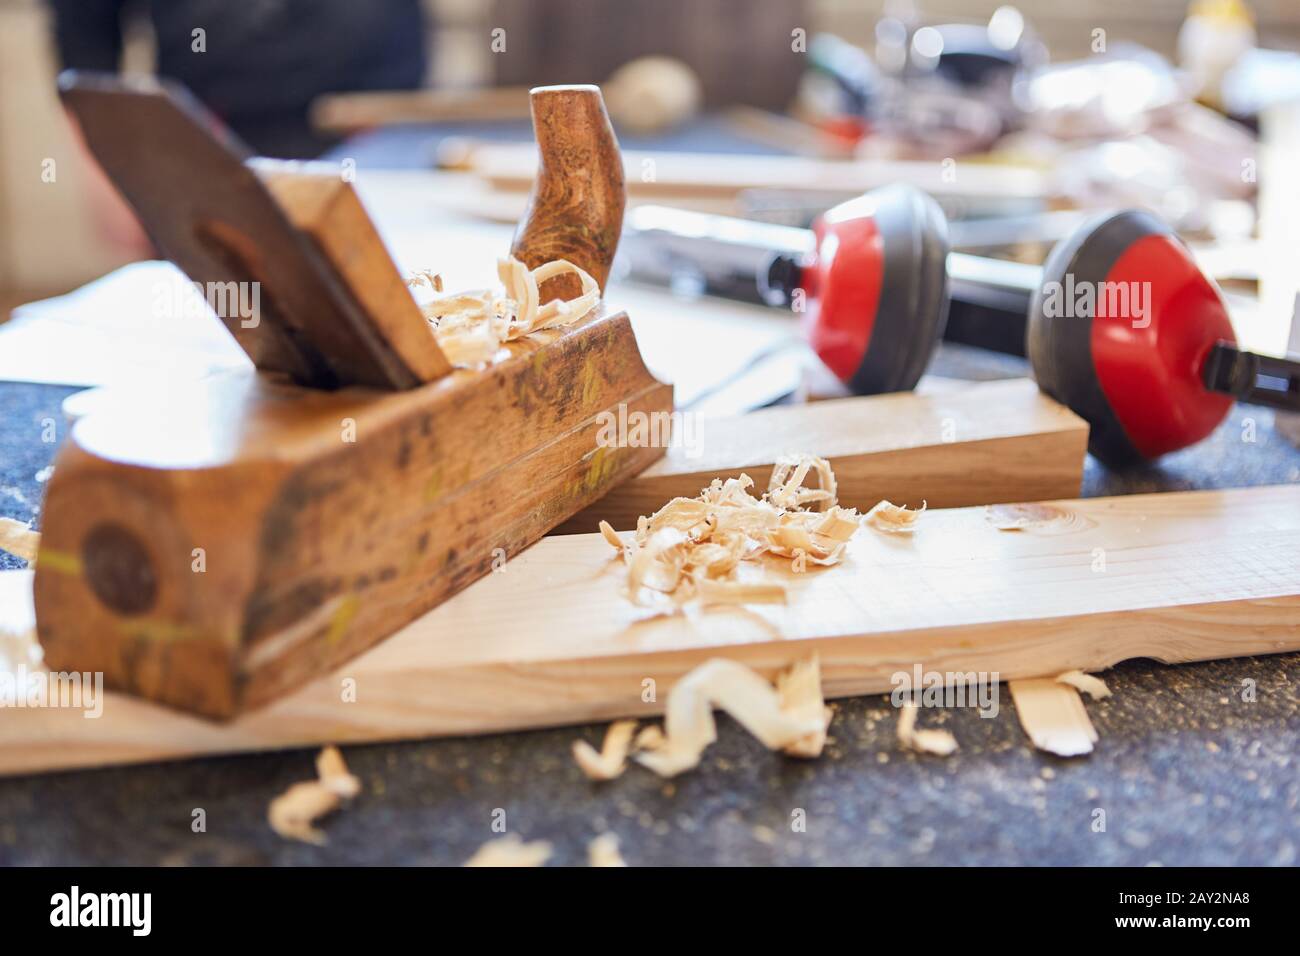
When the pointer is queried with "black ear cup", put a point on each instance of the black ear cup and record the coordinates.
(1059, 343)
(914, 291)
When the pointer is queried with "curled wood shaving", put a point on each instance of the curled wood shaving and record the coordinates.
(292, 814)
(612, 758)
(793, 722)
(691, 549)
(893, 519)
(1093, 686)
(19, 539)
(800, 690)
(651, 737)
(603, 851)
(471, 327)
(785, 487)
(511, 851)
(933, 741)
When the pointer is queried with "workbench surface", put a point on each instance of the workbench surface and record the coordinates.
(1186, 771)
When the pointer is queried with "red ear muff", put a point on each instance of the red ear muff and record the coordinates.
(877, 288)
(1119, 330)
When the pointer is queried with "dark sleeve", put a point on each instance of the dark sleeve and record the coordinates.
(88, 33)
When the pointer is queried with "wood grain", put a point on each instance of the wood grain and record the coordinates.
(549, 640)
(978, 444)
(575, 211)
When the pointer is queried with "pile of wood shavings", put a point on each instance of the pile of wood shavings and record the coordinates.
(471, 327)
(791, 717)
(293, 812)
(691, 549)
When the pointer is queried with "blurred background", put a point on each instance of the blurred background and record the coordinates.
(1020, 119)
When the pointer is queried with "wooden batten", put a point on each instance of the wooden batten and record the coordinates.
(983, 444)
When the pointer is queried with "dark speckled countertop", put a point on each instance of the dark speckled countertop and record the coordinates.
(1186, 771)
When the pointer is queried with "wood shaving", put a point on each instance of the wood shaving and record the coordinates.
(651, 737)
(800, 690)
(511, 851)
(932, 741)
(1093, 686)
(612, 758)
(785, 487)
(1053, 715)
(691, 549)
(893, 519)
(334, 775)
(471, 327)
(19, 539)
(792, 722)
(603, 851)
(292, 814)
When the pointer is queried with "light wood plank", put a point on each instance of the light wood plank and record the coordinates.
(549, 640)
(981, 444)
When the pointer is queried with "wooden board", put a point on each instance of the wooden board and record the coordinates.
(675, 174)
(549, 639)
(978, 444)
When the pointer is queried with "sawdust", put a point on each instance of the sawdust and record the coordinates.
(472, 327)
(691, 550)
(292, 814)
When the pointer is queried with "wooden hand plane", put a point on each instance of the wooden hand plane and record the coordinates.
(213, 547)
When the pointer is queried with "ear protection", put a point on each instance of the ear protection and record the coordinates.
(1123, 327)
